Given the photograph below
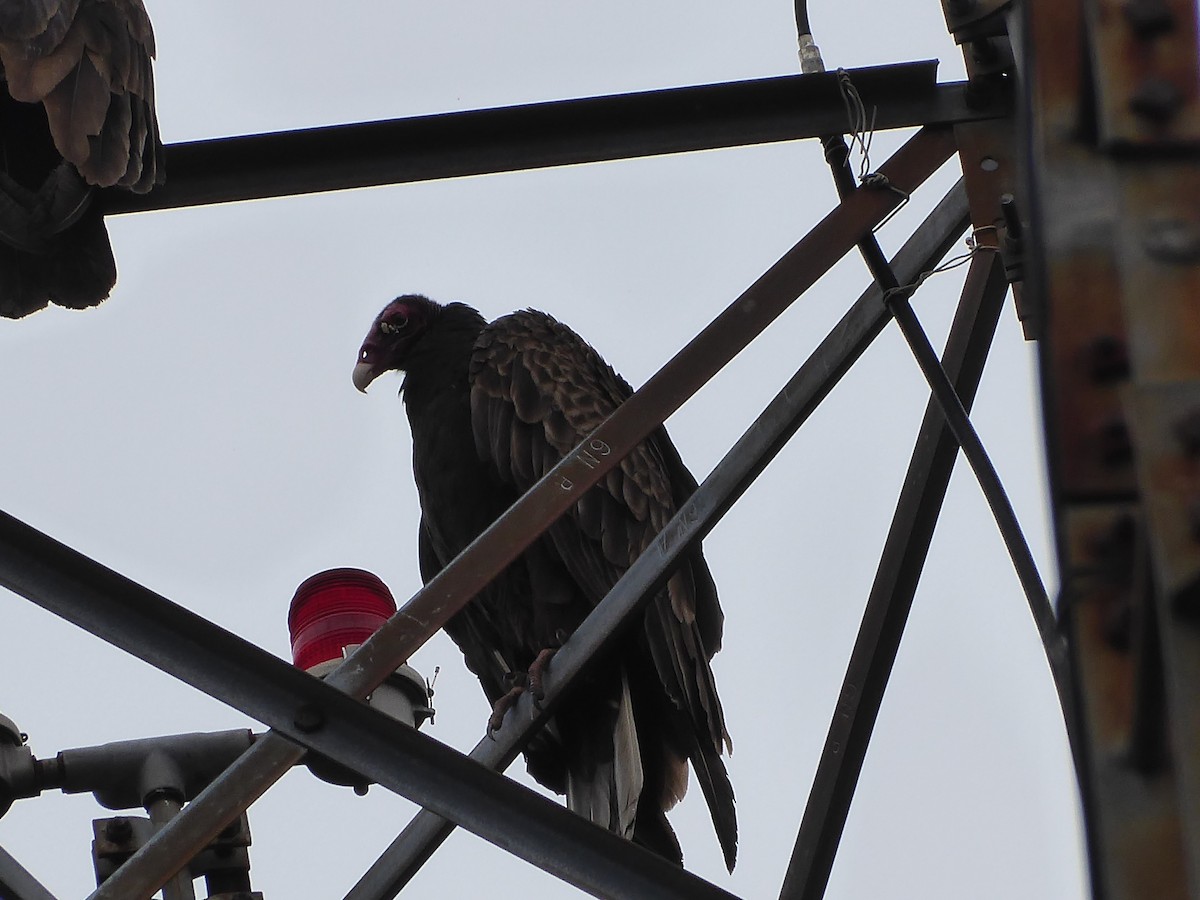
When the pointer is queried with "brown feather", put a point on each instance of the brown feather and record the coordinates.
(27, 20)
(77, 107)
(85, 67)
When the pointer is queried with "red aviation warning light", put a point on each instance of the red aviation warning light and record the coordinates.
(333, 612)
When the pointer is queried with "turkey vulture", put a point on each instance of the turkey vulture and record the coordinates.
(493, 408)
(76, 114)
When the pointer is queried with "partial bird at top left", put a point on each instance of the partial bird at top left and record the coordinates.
(76, 114)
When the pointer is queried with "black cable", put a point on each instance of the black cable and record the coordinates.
(802, 26)
(837, 154)
(993, 491)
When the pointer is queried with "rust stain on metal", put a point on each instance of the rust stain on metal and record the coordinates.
(1086, 336)
(1119, 282)
(1159, 283)
(1137, 836)
(1169, 474)
(1145, 72)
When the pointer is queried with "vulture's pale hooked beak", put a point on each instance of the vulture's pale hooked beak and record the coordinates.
(364, 374)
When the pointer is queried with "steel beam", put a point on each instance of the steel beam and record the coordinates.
(537, 135)
(893, 590)
(16, 883)
(195, 650)
(1113, 114)
(736, 471)
(383, 749)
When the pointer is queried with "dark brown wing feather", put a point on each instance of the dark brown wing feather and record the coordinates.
(537, 391)
(43, 21)
(76, 112)
(486, 664)
(89, 64)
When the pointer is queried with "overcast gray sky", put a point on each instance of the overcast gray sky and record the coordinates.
(200, 434)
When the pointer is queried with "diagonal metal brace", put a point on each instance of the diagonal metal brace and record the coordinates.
(16, 883)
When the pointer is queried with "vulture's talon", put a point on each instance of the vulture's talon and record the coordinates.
(502, 706)
(537, 672)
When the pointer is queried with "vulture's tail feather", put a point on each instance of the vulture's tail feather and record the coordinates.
(718, 793)
(604, 768)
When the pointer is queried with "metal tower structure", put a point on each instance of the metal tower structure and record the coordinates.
(1078, 131)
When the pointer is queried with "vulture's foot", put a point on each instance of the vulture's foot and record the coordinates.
(537, 672)
(520, 682)
(504, 704)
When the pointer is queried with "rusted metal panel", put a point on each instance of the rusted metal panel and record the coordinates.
(1135, 835)
(1158, 254)
(1165, 419)
(1072, 196)
(1085, 360)
(1145, 73)
(1115, 268)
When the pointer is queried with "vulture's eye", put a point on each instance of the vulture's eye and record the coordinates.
(393, 327)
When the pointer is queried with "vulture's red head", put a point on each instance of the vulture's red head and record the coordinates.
(392, 333)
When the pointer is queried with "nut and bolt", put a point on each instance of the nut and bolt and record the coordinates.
(1156, 100)
(308, 719)
(1173, 240)
(1115, 540)
(1192, 511)
(1107, 359)
(1012, 217)
(1114, 443)
(118, 830)
(1187, 432)
(1149, 18)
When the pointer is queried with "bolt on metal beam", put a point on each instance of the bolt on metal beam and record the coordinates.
(864, 321)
